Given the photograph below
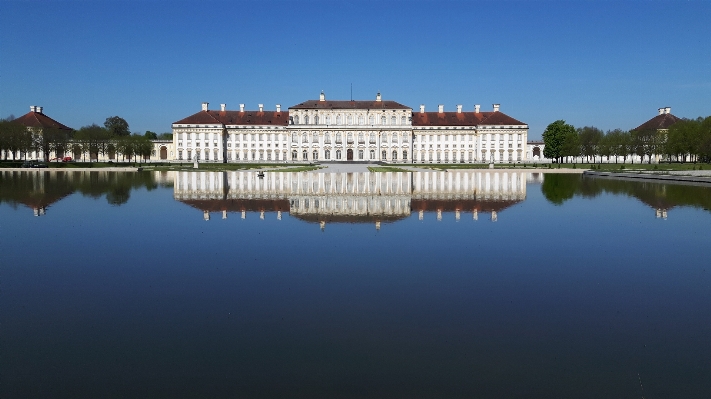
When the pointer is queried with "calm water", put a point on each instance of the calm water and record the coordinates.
(431, 285)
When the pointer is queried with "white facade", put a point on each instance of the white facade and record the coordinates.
(336, 131)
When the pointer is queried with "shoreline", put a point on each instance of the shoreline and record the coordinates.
(702, 179)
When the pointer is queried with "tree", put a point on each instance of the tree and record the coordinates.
(151, 135)
(93, 139)
(165, 136)
(604, 147)
(571, 144)
(16, 138)
(554, 139)
(117, 126)
(589, 138)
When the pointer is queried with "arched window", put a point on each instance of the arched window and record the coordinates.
(293, 155)
(350, 137)
(360, 154)
(393, 120)
(327, 138)
(327, 154)
(371, 120)
(404, 155)
(372, 154)
(384, 137)
(305, 155)
(385, 155)
(328, 119)
(314, 137)
(296, 119)
(360, 138)
(339, 138)
(316, 120)
(314, 155)
(360, 120)
(383, 120)
(394, 137)
(372, 137)
(338, 120)
(350, 119)
(403, 120)
(338, 154)
(394, 155)
(306, 119)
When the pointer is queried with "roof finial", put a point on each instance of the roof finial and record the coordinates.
(322, 96)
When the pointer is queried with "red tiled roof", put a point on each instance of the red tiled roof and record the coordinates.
(317, 104)
(662, 121)
(237, 118)
(38, 120)
(462, 119)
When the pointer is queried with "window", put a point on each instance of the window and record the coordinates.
(269, 155)
(371, 120)
(314, 138)
(372, 138)
(315, 155)
(207, 155)
(393, 120)
(328, 119)
(293, 155)
(383, 120)
(403, 121)
(338, 120)
(316, 120)
(306, 119)
(385, 155)
(404, 155)
(180, 155)
(350, 137)
(372, 154)
(338, 154)
(327, 138)
(305, 155)
(339, 138)
(361, 139)
(190, 155)
(360, 154)
(327, 154)
(296, 119)
(394, 155)
(360, 120)
(350, 119)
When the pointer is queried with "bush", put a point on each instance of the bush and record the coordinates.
(622, 166)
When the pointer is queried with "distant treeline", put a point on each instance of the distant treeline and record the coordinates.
(688, 140)
(113, 139)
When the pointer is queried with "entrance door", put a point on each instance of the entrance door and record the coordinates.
(349, 155)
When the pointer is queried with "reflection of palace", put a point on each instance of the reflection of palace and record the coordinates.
(351, 197)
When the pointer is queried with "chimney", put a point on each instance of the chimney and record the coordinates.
(661, 111)
(377, 97)
(241, 108)
(667, 110)
(322, 97)
(222, 107)
(204, 106)
(39, 110)
(459, 109)
(440, 108)
(261, 107)
(477, 108)
(496, 107)
(422, 108)
(33, 108)
(278, 107)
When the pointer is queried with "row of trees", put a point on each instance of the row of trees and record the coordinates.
(112, 139)
(688, 140)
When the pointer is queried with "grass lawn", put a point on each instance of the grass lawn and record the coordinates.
(386, 169)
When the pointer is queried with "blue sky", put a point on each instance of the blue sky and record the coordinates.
(601, 63)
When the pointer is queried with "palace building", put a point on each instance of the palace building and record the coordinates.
(338, 131)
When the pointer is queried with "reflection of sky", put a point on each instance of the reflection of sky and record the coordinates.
(550, 300)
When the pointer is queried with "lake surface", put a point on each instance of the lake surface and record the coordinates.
(399, 285)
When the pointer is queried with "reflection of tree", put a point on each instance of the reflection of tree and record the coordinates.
(38, 189)
(558, 188)
(118, 195)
